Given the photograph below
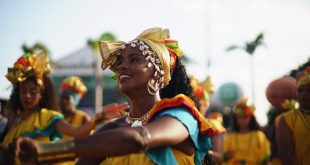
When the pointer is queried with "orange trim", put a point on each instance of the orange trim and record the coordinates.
(205, 126)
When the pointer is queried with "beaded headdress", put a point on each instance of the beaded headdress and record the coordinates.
(29, 65)
(155, 45)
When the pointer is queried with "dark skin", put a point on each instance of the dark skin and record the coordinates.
(120, 139)
(284, 136)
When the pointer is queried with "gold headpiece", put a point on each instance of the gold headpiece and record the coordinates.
(29, 65)
(244, 108)
(74, 83)
(155, 38)
(303, 78)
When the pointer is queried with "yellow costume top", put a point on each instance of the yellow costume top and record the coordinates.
(76, 121)
(251, 148)
(299, 125)
(39, 126)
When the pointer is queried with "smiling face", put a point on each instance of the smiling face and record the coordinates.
(30, 95)
(132, 70)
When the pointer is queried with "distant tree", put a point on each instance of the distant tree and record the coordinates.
(38, 48)
(93, 43)
(249, 47)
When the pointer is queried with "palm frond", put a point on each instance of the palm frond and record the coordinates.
(252, 45)
(93, 43)
(233, 47)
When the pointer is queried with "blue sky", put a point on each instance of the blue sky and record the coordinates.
(204, 29)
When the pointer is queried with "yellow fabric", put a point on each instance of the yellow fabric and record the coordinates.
(296, 121)
(137, 159)
(251, 147)
(275, 161)
(217, 125)
(76, 121)
(153, 37)
(38, 119)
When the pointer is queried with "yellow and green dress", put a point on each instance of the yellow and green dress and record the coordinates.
(39, 126)
(250, 148)
(299, 125)
(183, 109)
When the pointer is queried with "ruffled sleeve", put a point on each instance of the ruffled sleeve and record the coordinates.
(45, 124)
(201, 142)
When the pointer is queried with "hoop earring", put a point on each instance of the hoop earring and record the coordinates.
(151, 87)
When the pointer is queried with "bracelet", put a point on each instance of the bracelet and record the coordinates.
(54, 152)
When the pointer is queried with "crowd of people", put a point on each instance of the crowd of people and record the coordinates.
(164, 121)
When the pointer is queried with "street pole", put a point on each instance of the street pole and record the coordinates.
(99, 84)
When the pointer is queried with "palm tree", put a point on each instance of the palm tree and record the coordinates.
(249, 48)
(39, 48)
(93, 44)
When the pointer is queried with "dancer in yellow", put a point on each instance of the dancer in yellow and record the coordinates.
(72, 90)
(33, 107)
(246, 144)
(293, 129)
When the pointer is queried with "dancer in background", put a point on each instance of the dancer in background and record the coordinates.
(293, 129)
(281, 93)
(246, 144)
(72, 91)
(32, 107)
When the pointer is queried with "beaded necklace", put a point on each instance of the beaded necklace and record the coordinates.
(139, 121)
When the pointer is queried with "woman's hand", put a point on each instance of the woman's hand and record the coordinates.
(26, 150)
(113, 110)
